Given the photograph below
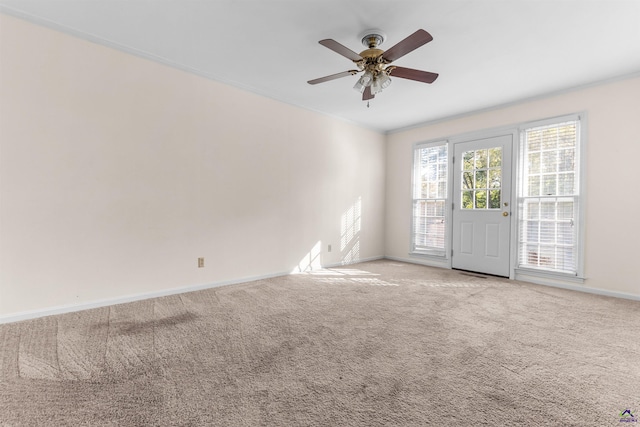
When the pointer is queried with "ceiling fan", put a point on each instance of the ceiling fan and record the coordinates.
(375, 62)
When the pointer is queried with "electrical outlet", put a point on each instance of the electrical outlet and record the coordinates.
(329, 248)
(200, 262)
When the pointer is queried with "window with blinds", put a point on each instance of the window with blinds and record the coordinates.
(430, 169)
(549, 197)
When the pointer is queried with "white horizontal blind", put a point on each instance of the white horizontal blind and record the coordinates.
(549, 197)
(429, 199)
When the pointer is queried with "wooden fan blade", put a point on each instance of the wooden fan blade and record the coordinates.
(367, 95)
(332, 77)
(342, 50)
(407, 45)
(411, 74)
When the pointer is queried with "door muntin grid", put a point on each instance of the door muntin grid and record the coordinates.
(481, 183)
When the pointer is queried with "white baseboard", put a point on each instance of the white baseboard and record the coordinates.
(26, 315)
(537, 280)
(422, 261)
(33, 314)
(573, 287)
(341, 264)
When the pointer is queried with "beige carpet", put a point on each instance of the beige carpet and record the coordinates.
(378, 343)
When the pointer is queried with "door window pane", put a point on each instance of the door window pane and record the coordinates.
(468, 160)
(467, 200)
(495, 157)
(481, 199)
(495, 178)
(494, 199)
(481, 159)
(481, 179)
(467, 180)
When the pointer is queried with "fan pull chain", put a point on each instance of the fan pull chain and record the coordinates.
(367, 104)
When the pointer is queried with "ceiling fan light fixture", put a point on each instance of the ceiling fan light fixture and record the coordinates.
(380, 82)
(376, 87)
(363, 82)
(385, 81)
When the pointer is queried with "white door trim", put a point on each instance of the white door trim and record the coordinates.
(479, 135)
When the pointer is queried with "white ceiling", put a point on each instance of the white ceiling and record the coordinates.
(487, 52)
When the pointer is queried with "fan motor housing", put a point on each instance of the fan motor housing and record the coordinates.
(371, 53)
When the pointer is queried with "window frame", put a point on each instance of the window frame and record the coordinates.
(444, 253)
(523, 271)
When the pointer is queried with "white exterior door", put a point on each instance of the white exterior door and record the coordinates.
(482, 205)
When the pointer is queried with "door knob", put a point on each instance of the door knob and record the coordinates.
(505, 213)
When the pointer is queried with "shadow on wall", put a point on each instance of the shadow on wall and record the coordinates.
(350, 225)
(310, 261)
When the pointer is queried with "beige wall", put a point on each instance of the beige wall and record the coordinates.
(117, 173)
(613, 159)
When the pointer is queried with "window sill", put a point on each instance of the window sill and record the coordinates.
(432, 259)
(547, 277)
(441, 255)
